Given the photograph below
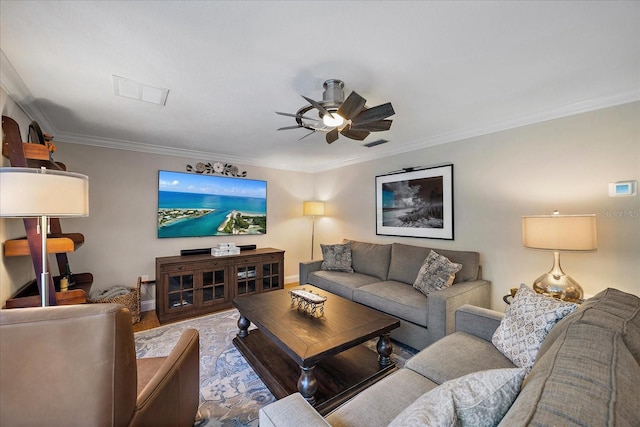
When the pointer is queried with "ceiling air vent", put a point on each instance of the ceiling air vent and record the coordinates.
(140, 91)
(374, 143)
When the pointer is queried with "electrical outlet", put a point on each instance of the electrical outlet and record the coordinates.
(144, 278)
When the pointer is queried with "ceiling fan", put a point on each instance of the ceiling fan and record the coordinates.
(337, 115)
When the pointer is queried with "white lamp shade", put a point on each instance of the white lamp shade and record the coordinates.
(560, 232)
(31, 192)
(312, 208)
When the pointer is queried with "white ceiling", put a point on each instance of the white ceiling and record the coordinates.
(451, 69)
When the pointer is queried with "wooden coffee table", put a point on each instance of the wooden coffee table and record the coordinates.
(321, 356)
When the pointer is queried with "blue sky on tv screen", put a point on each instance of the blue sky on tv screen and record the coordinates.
(210, 184)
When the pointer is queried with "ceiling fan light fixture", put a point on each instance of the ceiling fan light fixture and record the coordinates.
(333, 120)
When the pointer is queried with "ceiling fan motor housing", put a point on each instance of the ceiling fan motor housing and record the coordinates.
(333, 95)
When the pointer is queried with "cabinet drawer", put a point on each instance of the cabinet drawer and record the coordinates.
(179, 268)
(271, 257)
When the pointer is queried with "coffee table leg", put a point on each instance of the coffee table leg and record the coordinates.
(385, 348)
(243, 324)
(307, 384)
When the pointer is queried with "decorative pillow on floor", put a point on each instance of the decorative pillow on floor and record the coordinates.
(526, 324)
(436, 273)
(479, 399)
(336, 257)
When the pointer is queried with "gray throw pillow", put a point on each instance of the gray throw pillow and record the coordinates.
(436, 273)
(479, 399)
(526, 324)
(336, 257)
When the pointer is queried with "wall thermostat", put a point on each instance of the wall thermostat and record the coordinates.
(623, 188)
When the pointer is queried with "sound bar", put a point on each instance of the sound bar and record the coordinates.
(246, 247)
(203, 251)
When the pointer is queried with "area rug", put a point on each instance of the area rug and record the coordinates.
(230, 391)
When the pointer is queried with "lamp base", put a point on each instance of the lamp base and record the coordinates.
(560, 286)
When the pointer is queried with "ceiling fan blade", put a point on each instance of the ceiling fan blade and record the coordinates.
(297, 116)
(317, 105)
(350, 133)
(374, 114)
(310, 133)
(351, 106)
(332, 135)
(289, 127)
(377, 126)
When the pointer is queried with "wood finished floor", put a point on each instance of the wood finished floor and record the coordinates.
(149, 319)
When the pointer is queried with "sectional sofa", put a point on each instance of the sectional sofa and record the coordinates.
(382, 278)
(585, 373)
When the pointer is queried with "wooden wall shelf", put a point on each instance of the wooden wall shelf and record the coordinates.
(56, 243)
(76, 296)
(31, 151)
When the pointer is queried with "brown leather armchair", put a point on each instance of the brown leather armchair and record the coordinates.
(76, 366)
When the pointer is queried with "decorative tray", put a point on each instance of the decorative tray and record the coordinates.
(307, 301)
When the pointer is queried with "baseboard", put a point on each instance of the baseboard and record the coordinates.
(147, 305)
(291, 279)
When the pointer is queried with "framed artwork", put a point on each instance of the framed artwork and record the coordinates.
(416, 203)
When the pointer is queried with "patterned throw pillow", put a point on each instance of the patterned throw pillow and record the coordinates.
(336, 257)
(479, 399)
(526, 324)
(436, 273)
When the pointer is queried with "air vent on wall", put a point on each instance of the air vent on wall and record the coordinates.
(142, 92)
(374, 143)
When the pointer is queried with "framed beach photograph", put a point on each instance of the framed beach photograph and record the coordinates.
(416, 203)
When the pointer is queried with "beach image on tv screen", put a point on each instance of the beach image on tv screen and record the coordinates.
(194, 205)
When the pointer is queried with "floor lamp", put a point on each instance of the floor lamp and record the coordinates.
(559, 233)
(313, 208)
(43, 193)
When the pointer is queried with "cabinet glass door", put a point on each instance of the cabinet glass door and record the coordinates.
(213, 286)
(270, 275)
(180, 291)
(246, 279)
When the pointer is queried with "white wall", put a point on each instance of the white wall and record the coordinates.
(564, 164)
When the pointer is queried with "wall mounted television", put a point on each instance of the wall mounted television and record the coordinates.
(197, 205)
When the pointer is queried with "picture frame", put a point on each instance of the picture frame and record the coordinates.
(416, 203)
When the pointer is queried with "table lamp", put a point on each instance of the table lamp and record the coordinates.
(43, 193)
(312, 208)
(559, 233)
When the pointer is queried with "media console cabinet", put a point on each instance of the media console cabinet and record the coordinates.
(188, 286)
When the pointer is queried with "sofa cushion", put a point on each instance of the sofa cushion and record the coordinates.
(436, 273)
(456, 355)
(406, 261)
(337, 257)
(526, 324)
(396, 299)
(371, 258)
(479, 399)
(378, 405)
(611, 309)
(587, 377)
(338, 282)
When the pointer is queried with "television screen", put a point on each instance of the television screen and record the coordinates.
(195, 205)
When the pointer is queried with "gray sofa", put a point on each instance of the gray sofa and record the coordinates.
(586, 372)
(383, 277)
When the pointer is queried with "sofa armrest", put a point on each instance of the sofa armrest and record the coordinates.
(307, 267)
(444, 303)
(479, 321)
(291, 411)
(171, 396)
